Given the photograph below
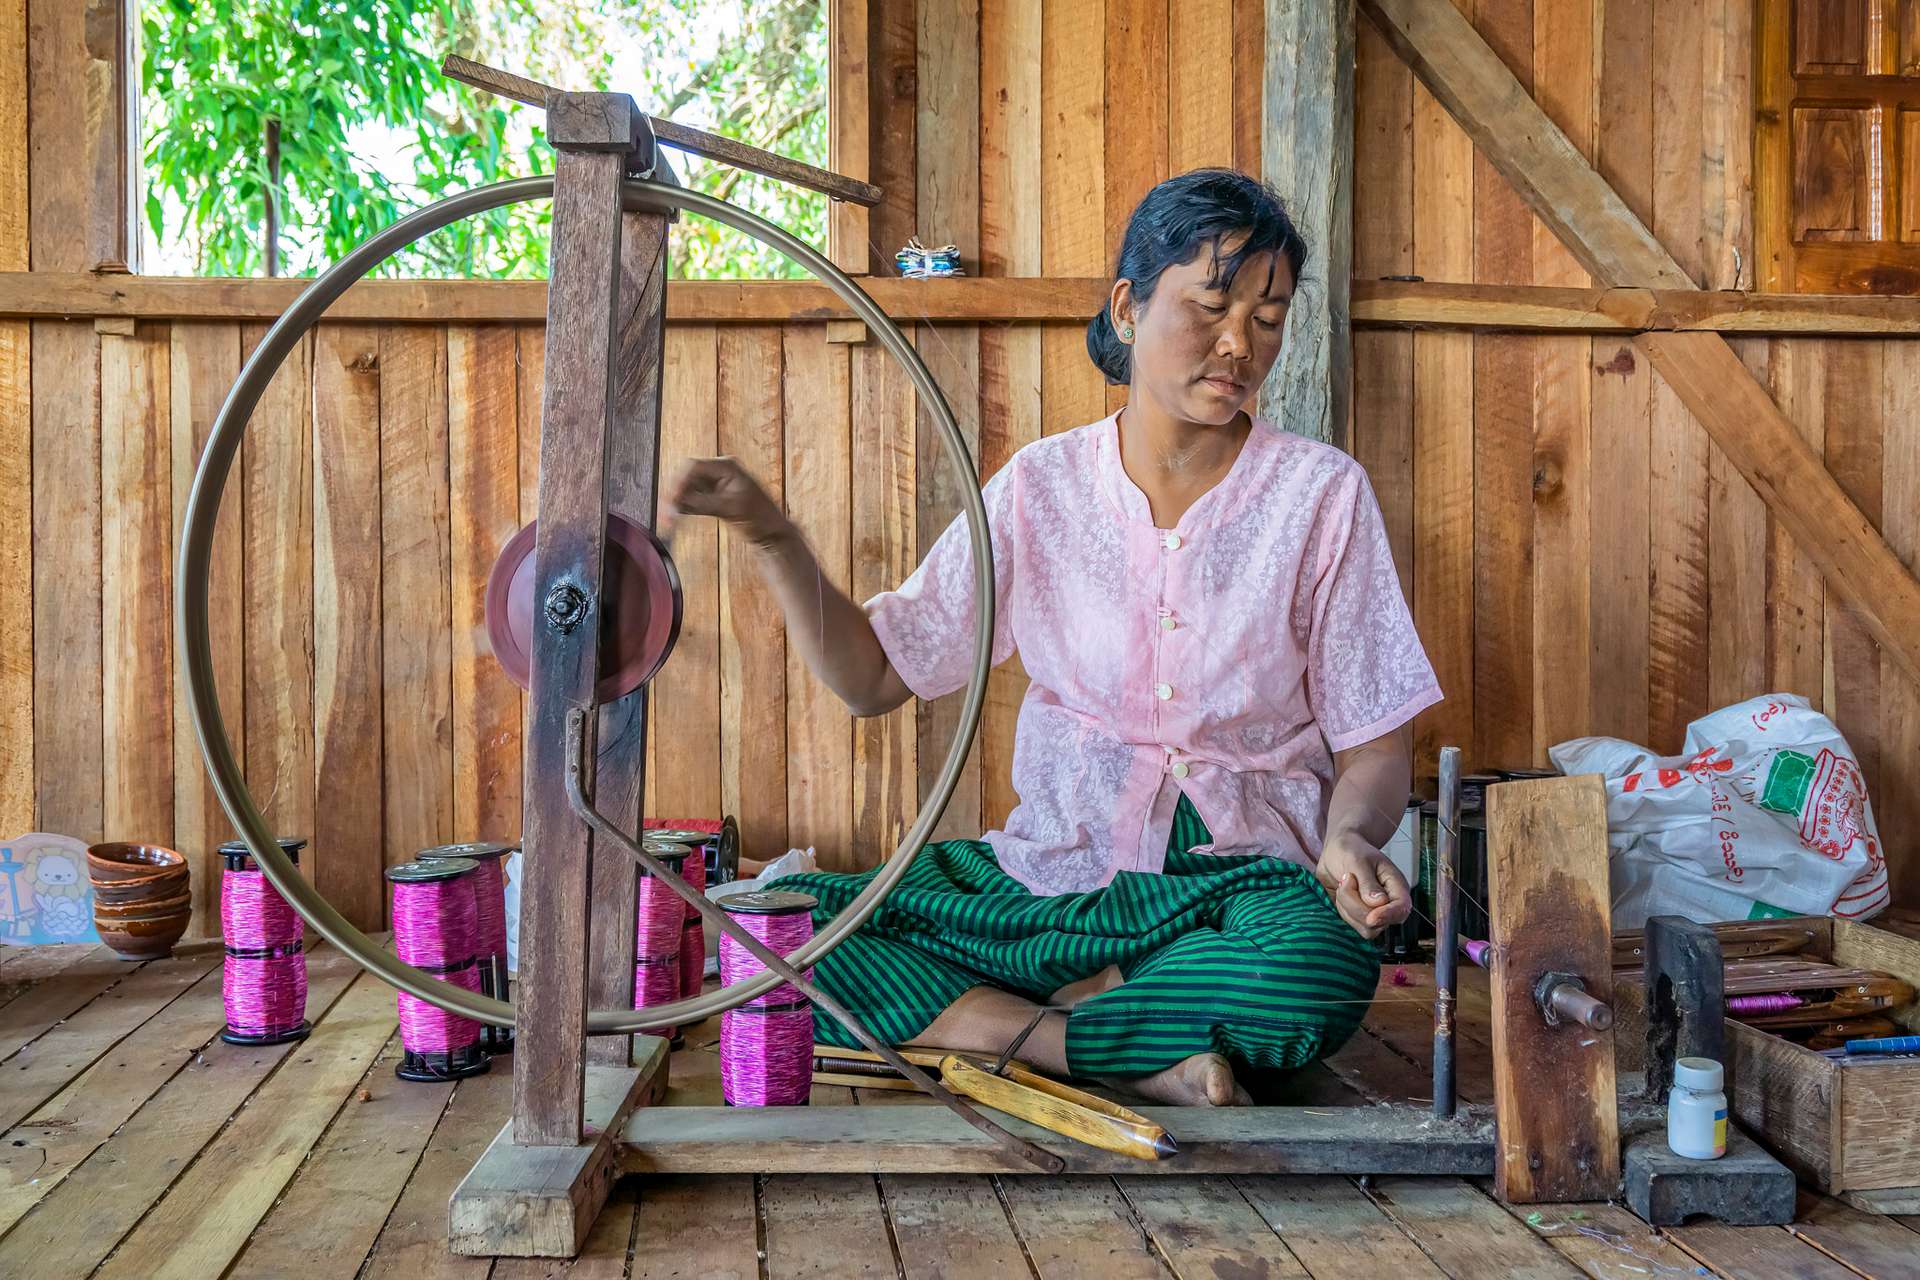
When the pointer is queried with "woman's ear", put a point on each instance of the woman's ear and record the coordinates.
(1120, 306)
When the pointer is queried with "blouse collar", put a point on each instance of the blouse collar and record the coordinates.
(1207, 510)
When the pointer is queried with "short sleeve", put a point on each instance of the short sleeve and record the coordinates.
(1367, 673)
(926, 624)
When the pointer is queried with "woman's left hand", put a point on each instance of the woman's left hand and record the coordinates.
(1366, 887)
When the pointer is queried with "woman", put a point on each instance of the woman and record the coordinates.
(1215, 742)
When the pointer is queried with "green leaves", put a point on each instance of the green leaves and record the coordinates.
(349, 80)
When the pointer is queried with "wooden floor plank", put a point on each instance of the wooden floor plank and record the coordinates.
(38, 1154)
(825, 1225)
(54, 997)
(131, 1170)
(1079, 1228)
(44, 1067)
(205, 1217)
(412, 1244)
(1335, 1231)
(949, 1228)
(1870, 1244)
(697, 1226)
(32, 963)
(604, 1253)
(1606, 1241)
(1204, 1227)
(1466, 1233)
(335, 1204)
(1756, 1253)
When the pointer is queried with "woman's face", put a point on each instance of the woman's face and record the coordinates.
(1199, 350)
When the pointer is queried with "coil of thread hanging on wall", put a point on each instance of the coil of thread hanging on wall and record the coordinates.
(659, 923)
(263, 982)
(766, 1045)
(435, 930)
(489, 883)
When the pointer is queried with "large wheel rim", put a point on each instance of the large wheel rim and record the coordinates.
(194, 568)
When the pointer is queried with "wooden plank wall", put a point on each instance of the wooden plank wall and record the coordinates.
(1578, 555)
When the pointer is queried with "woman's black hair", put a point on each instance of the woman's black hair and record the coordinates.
(1174, 223)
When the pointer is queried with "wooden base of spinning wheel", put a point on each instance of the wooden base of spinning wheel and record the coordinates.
(540, 1202)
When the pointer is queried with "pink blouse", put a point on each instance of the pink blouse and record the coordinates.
(1226, 658)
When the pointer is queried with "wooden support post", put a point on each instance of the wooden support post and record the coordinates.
(595, 136)
(633, 468)
(1553, 1085)
(1591, 219)
(1307, 154)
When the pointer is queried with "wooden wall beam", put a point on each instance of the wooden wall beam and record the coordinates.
(1307, 153)
(1407, 304)
(1556, 181)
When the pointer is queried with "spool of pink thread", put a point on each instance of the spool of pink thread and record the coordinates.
(693, 937)
(263, 982)
(435, 930)
(659, 922)
(489, 885)
(1771, 1002)
(766, 1045)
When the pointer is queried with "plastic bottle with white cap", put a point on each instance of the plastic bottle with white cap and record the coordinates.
(1697, 1110)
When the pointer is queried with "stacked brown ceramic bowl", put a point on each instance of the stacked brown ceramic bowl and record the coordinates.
(141, 900)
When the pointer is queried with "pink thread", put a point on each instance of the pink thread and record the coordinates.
(264, 980)
(433, 930)
(659, 921)
(1476, 949)
(490, 910)
(766, 1045)
(693, 937)
(1775, 1002)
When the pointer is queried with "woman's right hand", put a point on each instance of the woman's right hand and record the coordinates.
(721, 488)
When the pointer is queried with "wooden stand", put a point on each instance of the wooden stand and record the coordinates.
(538, 1187)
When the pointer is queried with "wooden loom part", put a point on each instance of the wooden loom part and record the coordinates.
(683, 137)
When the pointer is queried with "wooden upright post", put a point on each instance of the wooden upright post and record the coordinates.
(1553, 1084)
(541, 1183)
(633, 467)
(595, 136)
(1306, 152)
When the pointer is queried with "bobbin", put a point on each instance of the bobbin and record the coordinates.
(425, 1066)
(236, 856)
(675, 856)
(767, 904)
(493, 965)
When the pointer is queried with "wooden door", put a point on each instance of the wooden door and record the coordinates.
(1837, 146)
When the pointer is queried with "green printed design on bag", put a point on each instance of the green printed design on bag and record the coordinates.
(1788, 780)
(1767, 911)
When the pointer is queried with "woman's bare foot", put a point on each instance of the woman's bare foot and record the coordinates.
(1204, 1080)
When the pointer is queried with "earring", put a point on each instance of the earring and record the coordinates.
(1126, 334)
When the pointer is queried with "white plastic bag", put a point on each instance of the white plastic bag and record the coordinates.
(1763, 814)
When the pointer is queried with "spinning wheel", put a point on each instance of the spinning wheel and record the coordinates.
(637, 194)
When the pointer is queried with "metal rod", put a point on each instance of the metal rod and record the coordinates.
(1569, 999)
(1446, 872)
(1044, 1161)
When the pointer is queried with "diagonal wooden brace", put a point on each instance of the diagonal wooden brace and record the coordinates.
(1590, 218)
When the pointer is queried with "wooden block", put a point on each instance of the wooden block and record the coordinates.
(847, 332)
(1746, 1187)
(1353, 1140)
(1553, 1086)
(540, 1201)
(598, 122)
